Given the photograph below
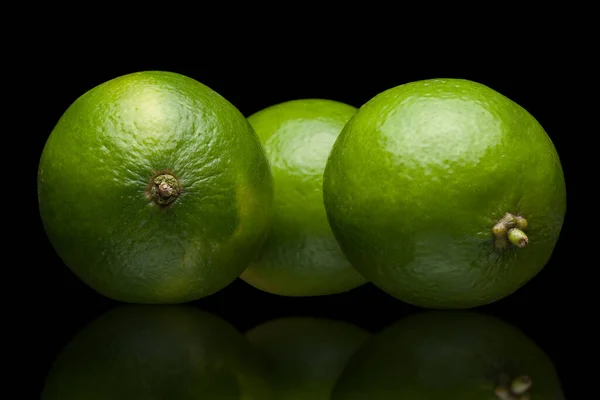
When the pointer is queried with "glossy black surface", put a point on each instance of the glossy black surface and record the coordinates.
(545, 310)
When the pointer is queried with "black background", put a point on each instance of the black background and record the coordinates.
(543, 309)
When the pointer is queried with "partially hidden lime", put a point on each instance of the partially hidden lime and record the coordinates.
(300, 256)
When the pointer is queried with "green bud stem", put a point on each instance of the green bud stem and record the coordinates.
(510, 230)
(518, 238)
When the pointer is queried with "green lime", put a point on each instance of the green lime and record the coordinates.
(445, 194)
(305, 355)
(154, 189)
(300, 256)
(155, 353)
(447, 355)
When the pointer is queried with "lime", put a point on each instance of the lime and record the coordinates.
(154, 189)
(300, 256)
(445, 194)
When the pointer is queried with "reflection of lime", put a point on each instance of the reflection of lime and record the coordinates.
(157, 352)
(306, 355)
(445, 194)
(449, 355)
(301, 257)
(154, 189)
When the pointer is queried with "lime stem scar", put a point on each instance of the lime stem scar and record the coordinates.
(510, 230)
(164, 189)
